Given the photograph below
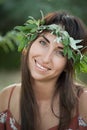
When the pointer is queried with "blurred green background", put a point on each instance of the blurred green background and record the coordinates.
(16, 12)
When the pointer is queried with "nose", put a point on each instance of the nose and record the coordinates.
(47, 57)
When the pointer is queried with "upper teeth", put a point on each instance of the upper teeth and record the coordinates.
(41, 67)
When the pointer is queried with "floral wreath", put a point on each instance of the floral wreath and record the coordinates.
(72, 48)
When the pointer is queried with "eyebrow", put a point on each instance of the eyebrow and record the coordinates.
(45, 38)
(60, 47)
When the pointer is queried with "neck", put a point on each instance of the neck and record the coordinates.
(44, 90)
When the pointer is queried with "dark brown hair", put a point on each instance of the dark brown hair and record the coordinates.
(65, 85)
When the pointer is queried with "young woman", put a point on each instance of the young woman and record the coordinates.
(48, 98)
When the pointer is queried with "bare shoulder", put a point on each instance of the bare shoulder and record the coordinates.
(5, 95)
(83, 105)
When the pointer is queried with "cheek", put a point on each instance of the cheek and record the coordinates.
(60, 64)
(36, 51)
(32, 51)
(34, 48)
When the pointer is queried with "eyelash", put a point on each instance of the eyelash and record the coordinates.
(58, 52)
(43, 43)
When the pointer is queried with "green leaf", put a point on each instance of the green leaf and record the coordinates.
(33, 30)
(65, 51)
(33, 37)
(84, 61)
(74, 42)
(22, 41)
(69, 53)
(65, 41)
(42, 15)
(64, 33)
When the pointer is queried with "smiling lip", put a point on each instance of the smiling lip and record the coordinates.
(41, 67)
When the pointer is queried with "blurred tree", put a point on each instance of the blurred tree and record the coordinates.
(14, 12)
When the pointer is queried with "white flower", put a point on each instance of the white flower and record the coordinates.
(12, 122)
(3, 117)
(81, 122)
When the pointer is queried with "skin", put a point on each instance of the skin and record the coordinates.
(46, 64)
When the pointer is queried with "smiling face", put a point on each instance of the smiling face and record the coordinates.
(46, 60)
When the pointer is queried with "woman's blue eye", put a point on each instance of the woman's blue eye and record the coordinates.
(58, 52)
(43, 43)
